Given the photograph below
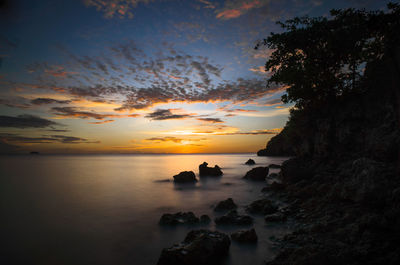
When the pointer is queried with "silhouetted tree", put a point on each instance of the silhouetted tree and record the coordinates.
(320, 59)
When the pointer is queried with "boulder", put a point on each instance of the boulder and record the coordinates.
(204, 170)
(185, 176)
(245, 236)
(274, 166)
(263, 206)
(205, 219)
(178, 218)
(228, 204)
(257, 174)
(274, 186)
(275, 217)
(200, 247)
(250, 162)
(233, 218)
(273, 175)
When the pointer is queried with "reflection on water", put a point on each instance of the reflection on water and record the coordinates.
(104, 209)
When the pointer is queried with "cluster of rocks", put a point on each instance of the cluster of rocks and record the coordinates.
(204, 170)
(183, 218)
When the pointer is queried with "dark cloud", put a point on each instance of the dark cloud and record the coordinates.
(25, 121)
(119, 8)
(237, 8)
(45, 139)
(255, 132)
(166, 114)
(45, 101)
(15, 102)
(72, 112)
(212, 120)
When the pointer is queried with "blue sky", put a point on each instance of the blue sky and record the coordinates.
(142, 76)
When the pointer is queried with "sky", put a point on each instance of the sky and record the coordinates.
(143, 76)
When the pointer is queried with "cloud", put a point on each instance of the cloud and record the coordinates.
(44, 139)
(102, 122)
(255, 132)
(166, 114)
(272, 102)
(45, 101)
(72, 112)
(174, 139)
(260, 70)
(25, 121)
(15, 102)
(212, 120)
(237, 8)
(111, 8)
(208, 4)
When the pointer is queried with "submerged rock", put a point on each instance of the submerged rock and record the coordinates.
(245, 236)
(185, 176)
(250, 162)
(275, 217)
(274, 166)
(200, 247)
(228, 204)
(179, 218)
(263, 206)
(204, 170)
(258, 174)
(233, 218)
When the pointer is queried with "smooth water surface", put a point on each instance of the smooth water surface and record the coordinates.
(104, 209)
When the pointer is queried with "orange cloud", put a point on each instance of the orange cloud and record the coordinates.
(236, 8)
(102, 122)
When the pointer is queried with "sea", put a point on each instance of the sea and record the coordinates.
(105, 209)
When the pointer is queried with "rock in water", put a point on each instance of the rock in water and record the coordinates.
(274, 166)
(209, 171)
(250, 162)
(245, 236)
(205, 219)
(258, 174)
(232, 218)
(228, 204)
(275, 217)
(263, 206)
(178, 218)
(185, 176)
(200, 247)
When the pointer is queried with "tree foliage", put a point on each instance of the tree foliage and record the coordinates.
(320, 59)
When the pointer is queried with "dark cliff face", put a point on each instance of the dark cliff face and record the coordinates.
(364, 123)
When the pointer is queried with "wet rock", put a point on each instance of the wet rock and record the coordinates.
(274, 166)
(250, 162)
(274, 186)
(225, 205)
(233, 218)
(276, 217)
(205, 219)
(200, 247)
(245, 236)
(185, 177)
(209, 171)
(257, 174)
(273, 175)
(263, 206)
(178, 218)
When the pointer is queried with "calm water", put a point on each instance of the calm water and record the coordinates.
(104, 209)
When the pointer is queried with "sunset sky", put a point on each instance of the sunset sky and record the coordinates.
(142, 76)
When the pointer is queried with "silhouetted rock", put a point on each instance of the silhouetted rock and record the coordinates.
(274, 166)
(273, 175)
(228, 204)
(245, 236)
(275, 217)
(178, 218)
(185, 176)
(250, 162)
(200, 247)
(232, 218)
(205, 219)
(263, 206)
(204, 170)
(274, 186)
(257, 173)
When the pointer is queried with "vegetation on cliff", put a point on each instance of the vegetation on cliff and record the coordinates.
(343, 185)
